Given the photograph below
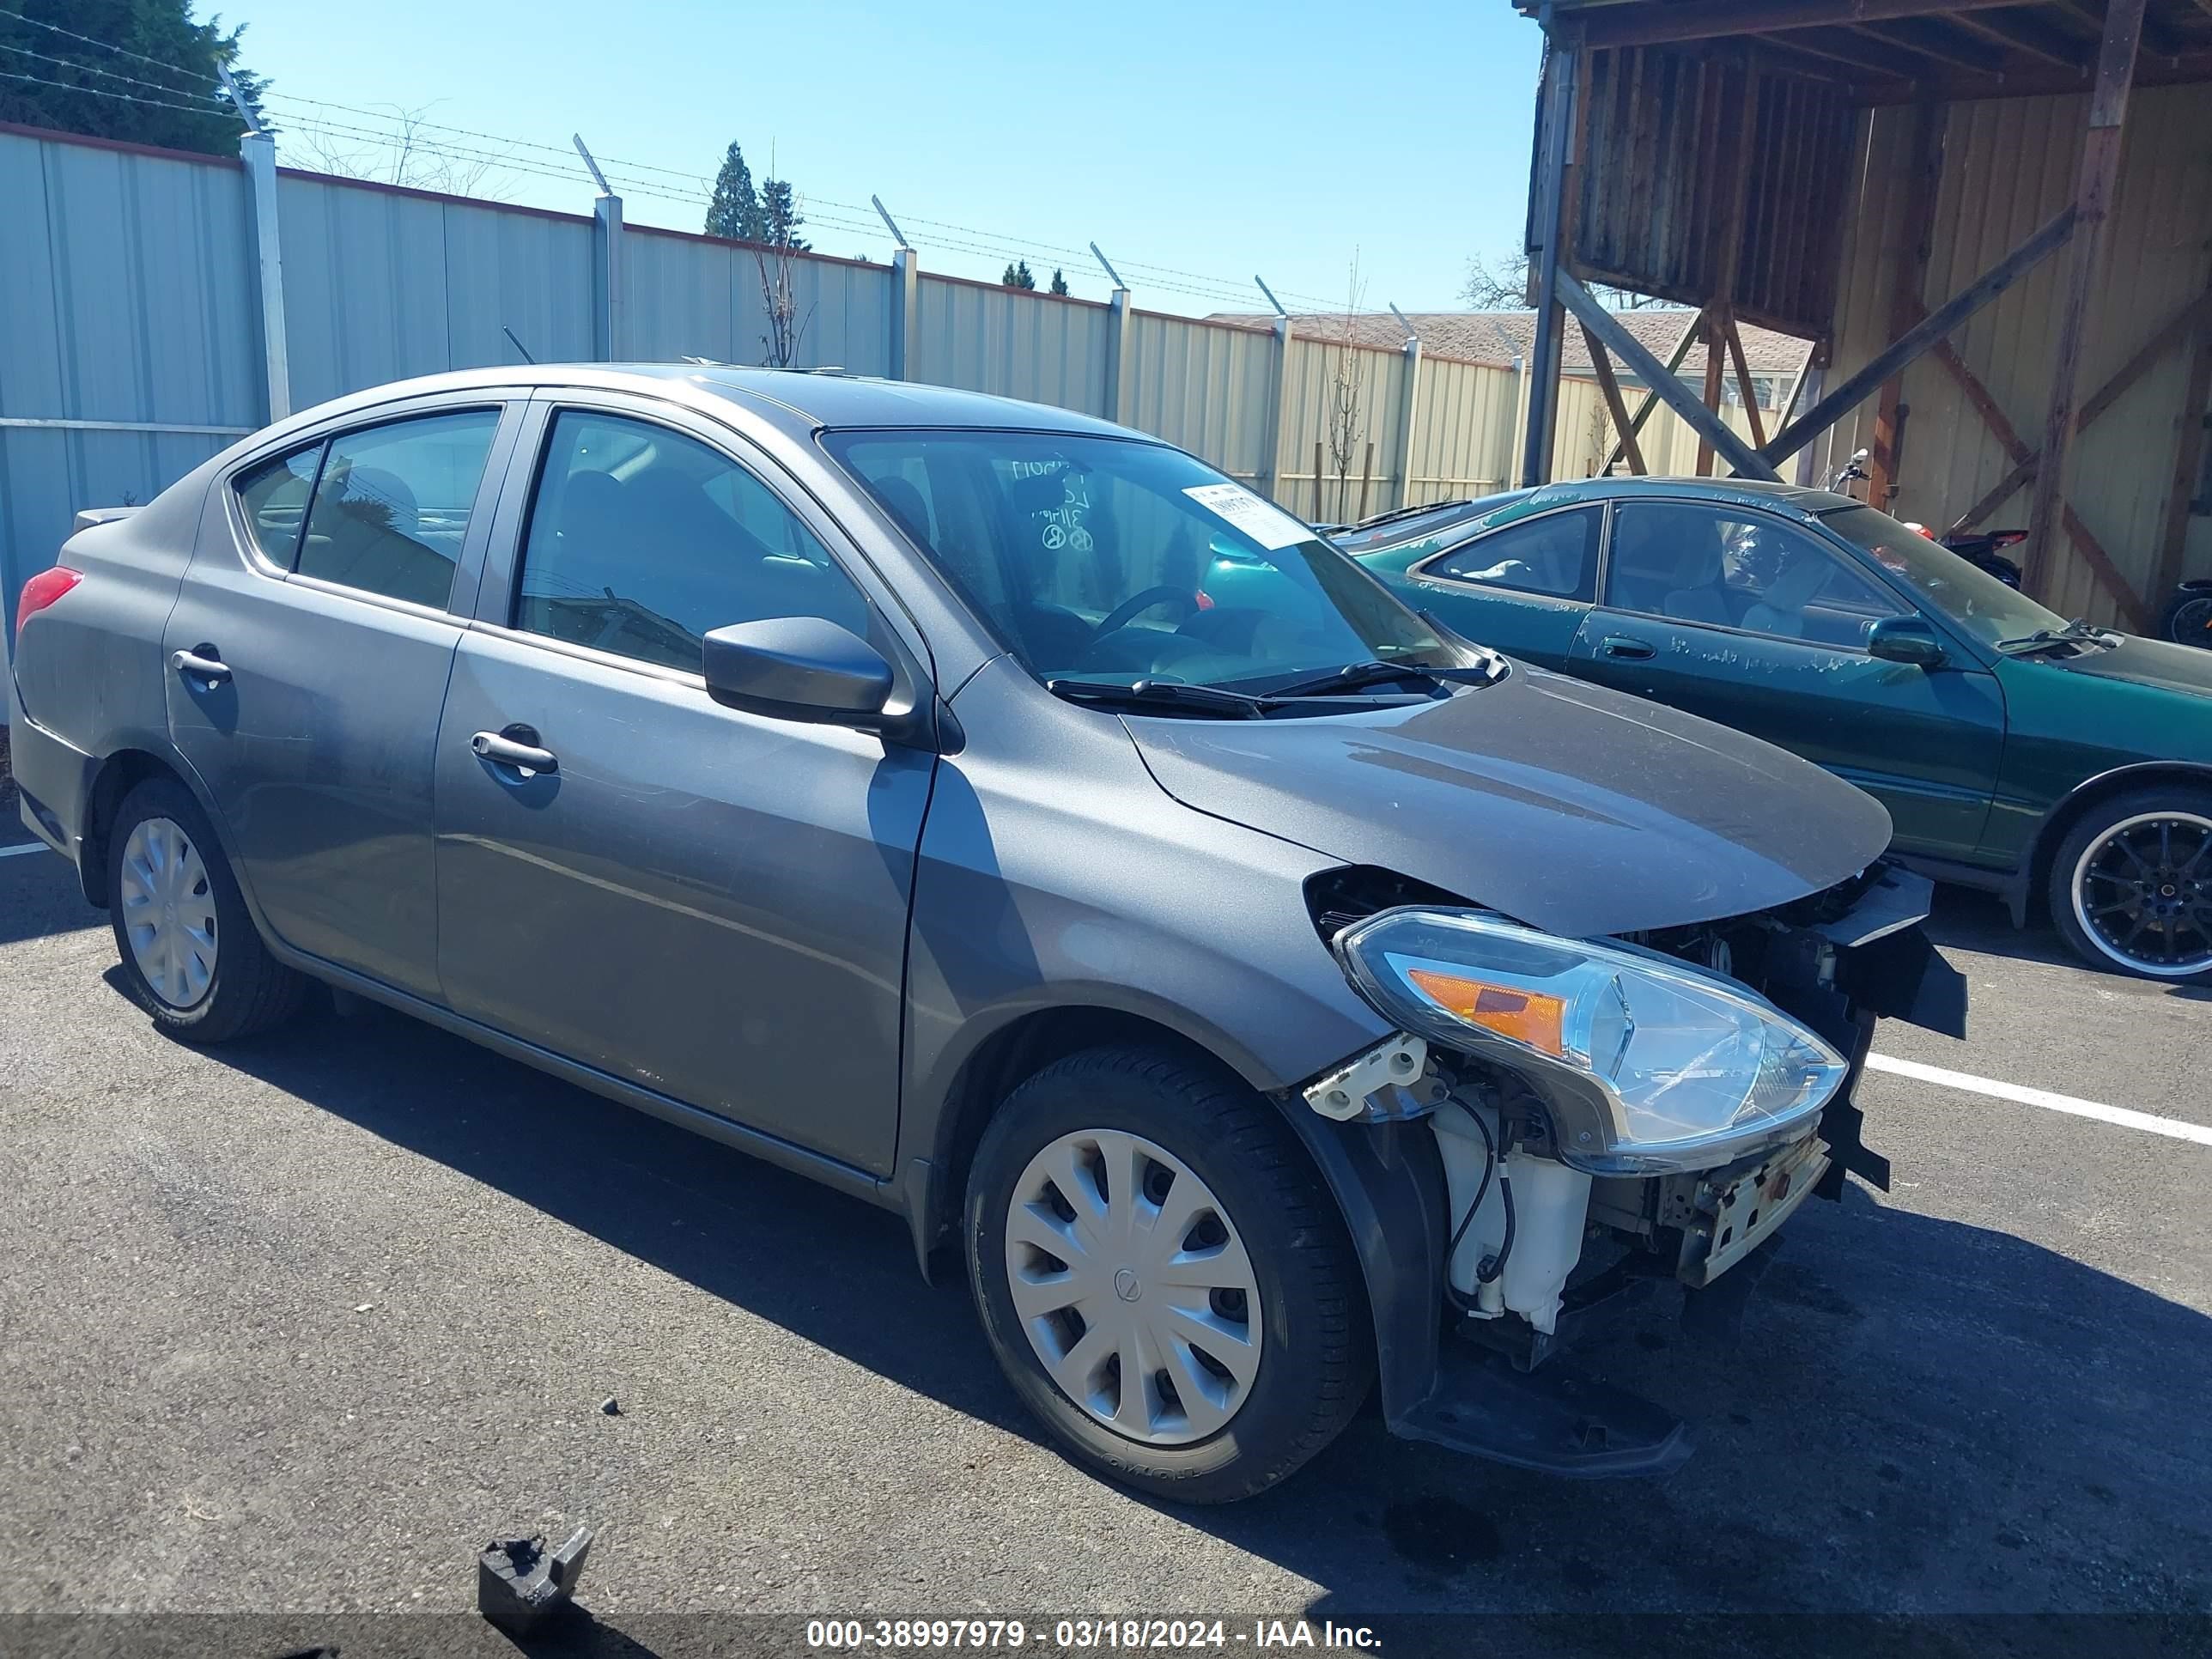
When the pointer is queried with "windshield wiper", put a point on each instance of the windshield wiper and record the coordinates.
(1398, 512)
(2077, 632)
(1357, 676)
(1167, 694)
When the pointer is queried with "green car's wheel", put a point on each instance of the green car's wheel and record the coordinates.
(2131, 885)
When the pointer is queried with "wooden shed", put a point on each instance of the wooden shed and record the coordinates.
(1992, 217)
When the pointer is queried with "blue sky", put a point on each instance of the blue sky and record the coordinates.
(1204, 142)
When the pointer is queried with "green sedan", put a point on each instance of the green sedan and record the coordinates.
(2017, 752)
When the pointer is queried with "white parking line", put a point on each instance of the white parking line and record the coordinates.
(27, 847)
(2199, 1132)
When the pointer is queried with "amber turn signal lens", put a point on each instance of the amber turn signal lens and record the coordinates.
(1527, 1017)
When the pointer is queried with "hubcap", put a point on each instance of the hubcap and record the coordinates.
(1133, 1287)
(169, 912)
(2143, 893)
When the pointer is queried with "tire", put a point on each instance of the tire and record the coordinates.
(230, 987)
(1306, 1348)
(2162, 865)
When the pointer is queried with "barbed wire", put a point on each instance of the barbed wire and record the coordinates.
(851, 218)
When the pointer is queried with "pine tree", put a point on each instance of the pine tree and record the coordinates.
(1019, 275)
(1059, 281)
(780, 216)
(735, 210)
(88, 103)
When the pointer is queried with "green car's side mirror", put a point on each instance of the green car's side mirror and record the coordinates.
(1905, 639)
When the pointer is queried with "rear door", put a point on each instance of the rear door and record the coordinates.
(307, 659)
(1521, 588)
(708, 904)
(1750, 621)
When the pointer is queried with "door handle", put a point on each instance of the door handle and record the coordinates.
(213, 669)
(503, 751)
(1619, 645)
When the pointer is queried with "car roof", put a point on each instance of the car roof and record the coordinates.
(1743, 492)
(808, 398)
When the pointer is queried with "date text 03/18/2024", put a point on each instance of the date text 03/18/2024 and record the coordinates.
(1084, 1634)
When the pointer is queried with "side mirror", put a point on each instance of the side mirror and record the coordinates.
(798, 668)
(1905, 639)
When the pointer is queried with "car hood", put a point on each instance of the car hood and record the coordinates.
(2141, 662)
(1574, 809)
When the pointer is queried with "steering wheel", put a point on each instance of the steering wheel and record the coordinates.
(1136, 605)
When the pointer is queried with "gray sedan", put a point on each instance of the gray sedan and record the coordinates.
(1267, 998)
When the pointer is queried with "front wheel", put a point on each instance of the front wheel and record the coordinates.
(2131, 885)
(1162, 1277)
(2187, 619)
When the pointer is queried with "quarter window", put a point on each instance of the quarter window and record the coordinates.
(1735, 570)
(1555, 554)
(642, 541)
(275, 497)
(391, 506)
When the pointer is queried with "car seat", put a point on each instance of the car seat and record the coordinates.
(1781, 610)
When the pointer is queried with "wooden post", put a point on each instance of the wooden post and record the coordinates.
(1720, 318)
(1715, 321)
(1608, 387)
(1317, 519)
(1683, 342)
(1548, 258)
(1366, 477)
(1747, 462)
(1935, 326)
(1907, 296)
(2188, 457)
(1744, 387)
(2092, 203)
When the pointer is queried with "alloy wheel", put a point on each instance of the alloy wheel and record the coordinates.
(169, 912)
(2142, 893)
(1133, 1288)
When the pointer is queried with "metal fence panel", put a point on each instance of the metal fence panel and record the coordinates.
(1463, 430)
(365, 293)
(691, 296)
(126, 295)
(1205, 388)
(1041, 347)
(1369, 385)
(531, 272)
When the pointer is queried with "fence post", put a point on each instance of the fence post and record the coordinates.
(1279, 408)
(607, 331)
(1409, 421)
(906, 306)
(258, 151)
(1118, 324)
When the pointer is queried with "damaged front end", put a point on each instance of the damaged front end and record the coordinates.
(1607, 1112)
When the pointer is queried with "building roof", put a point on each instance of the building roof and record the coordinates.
(1499, 337)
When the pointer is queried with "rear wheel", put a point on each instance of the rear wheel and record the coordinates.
(2131, 885)
(190, 955)
(1162, 1277)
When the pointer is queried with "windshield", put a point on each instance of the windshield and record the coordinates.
(1969, 595)
(1110, 561)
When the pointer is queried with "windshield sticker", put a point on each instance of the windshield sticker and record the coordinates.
(1263, 521)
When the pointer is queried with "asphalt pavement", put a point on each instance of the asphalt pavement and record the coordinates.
(296, 1326)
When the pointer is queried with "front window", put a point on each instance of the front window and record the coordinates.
(1100, 559)
(1968, 595)
(1734, 568)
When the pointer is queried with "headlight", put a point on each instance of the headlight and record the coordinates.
(1647, 1067)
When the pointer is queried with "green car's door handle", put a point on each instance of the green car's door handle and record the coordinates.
(1619, 645)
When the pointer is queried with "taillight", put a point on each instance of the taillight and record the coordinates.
(42, 590)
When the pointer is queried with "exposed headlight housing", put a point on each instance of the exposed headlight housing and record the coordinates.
(1648, 1065)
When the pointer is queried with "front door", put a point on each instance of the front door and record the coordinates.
(708, 904)
(1754, 623)
(315, 640)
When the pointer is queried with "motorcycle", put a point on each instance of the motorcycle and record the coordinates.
(1977, 547)
(2187, 619)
